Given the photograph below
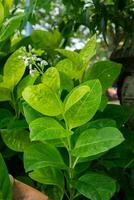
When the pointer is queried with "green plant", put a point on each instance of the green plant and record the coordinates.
(64, 140)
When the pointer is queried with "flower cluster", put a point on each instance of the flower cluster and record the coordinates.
(31, 60)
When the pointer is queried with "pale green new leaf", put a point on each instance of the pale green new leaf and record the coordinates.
(47, 128)
(105, 71)
(43, 99)
(96, 186)
(5, 94)
(88, 51)
(84, 108)
(92, 141)
(26, 81)
(51, 78)
(1, 13)
(5, 185)
(14, 69)
(41, 155)
(75, 96)
(16, 139)
(48, 176)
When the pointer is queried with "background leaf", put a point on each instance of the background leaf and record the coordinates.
(105, 71)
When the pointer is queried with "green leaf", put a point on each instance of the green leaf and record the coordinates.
(41, 155)
(47, 128)
(48, 176)
(16, 139)
(7, 5)
(43, 99)
(1, 13)
(73, 56)
(45, 40)
(97, 124)
(66, 82)
(104, 102)
(26, 81)
(105, 71)
(75, 96)
(5, 185)
(54, 192)
(29, 113)
(5, 94)
(67, 67)
(88, 51)
(120, 113)
(11, 26)
(92, 141)
(96, 186)
(14, 69)
(81, 110)
(51, 78)
(5, 116)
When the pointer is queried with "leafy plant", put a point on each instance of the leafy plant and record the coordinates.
(57, 149)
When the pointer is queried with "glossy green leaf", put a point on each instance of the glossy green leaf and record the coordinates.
(92, 141)
(51, 78)
(29, 113)
(16, 139)
(47, 128)
(1, 13)
(11, 26)
(48, 176)
(43, 99)
(88, 51)
(14, 69)
(26, 81)
(96, 186)
(105, 71)
(5, 185)
(5, 94)
(41, 155)
(81, 110)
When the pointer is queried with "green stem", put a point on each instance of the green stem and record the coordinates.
(71, 164)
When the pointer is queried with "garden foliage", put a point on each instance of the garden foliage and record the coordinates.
(54, 111)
